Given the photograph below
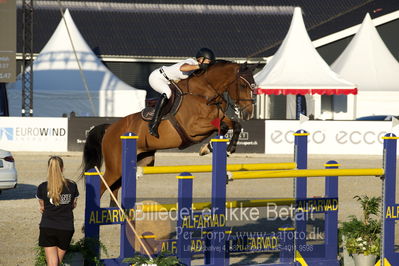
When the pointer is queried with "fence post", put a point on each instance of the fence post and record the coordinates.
(185, 200)
(219, 178)
(388, 254)
(92, 230)
(300, 185)
(286, 236)
(331, 217)
(129, 168)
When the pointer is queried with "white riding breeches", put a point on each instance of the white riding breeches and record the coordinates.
(159, 83)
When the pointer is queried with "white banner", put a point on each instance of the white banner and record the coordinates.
(329, 137)
(34, 134)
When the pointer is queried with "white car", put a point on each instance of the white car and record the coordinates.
(8, 173)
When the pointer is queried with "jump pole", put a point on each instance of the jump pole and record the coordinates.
(208, 168)
(307, 173)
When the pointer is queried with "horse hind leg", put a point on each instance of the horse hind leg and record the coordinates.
(114, 184)
(146, 158)
(115, 190)
(143, 159)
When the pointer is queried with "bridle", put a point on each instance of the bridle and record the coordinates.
(242, 76)
(219, 98)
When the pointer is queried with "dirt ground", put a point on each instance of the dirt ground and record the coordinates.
(20, 214)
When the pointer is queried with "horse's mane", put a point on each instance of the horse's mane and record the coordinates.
(221, 61)
(218, 63)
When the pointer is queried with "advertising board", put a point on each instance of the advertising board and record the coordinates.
(328, 137)
(34, 134)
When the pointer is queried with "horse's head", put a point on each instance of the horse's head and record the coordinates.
(236, 81)
(241, 91)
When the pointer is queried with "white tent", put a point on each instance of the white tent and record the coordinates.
(297, 68)
(61, 85)
(368, 62)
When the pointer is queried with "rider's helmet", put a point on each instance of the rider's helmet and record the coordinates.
(206, 53)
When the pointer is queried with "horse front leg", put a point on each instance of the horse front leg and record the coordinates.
(207, 147)
(234, 139)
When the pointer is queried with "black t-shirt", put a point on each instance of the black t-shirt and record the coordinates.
(61, 216)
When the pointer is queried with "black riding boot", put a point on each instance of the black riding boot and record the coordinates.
(157, 115)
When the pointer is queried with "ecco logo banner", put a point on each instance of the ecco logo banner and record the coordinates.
(328, 137)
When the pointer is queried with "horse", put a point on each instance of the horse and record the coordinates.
(205, 98)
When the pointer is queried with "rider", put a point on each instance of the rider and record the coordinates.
(160, 79)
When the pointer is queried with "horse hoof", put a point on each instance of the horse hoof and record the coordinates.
(204, 150)
(139, 173)
(231, 151)
(112, 204)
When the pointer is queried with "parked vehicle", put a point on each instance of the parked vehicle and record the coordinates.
(376, 118)
(8, 172)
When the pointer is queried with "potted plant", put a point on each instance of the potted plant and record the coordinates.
(163, 259)
(77, 253)
(362, 236)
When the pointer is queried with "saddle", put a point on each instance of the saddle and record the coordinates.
(171, 107)
(168, 113)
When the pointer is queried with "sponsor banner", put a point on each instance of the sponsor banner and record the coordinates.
(33, 134)
(251, 140)
(329, 137)
(79, 127)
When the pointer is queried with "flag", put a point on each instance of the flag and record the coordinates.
(216, 123)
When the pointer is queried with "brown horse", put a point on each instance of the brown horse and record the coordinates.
(206, 97)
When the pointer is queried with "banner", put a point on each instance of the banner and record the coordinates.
(329, 137)
(251, 139)
(34, 134)
(79, 127)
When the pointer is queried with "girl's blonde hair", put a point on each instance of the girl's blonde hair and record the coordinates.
(56, 179)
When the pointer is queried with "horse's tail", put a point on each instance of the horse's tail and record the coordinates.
(92, 153)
